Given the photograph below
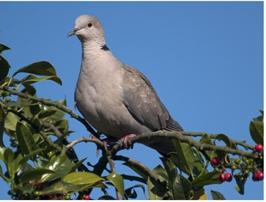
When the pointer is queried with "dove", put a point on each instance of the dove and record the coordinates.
(116, 99)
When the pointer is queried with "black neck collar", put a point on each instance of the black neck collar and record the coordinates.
(105, 48)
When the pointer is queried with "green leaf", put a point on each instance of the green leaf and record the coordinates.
(3, 48)
(203, 197)
(61, 188)
(61, 165)
(206, 179)
(46, 113)
(174, 182)
(117, 181)
(30, 79)
(155, 192)
(2, 123)
(29, 89)
(41, 68)
(11, 121)
(256, 131)
(25, 139)
(82, 178)
(240, 181)
(36, 175)
(217, 195)
(186, 159)
(4, 68)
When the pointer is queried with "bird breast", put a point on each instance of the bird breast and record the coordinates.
(99, 96)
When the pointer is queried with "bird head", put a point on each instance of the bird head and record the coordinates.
(88, 28)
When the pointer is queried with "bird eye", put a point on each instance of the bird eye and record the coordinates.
(89, 25)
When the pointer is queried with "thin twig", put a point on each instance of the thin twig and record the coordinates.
(85, 140)
(215, 136)
(147, 172)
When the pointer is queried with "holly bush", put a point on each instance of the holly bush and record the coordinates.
(38, 162)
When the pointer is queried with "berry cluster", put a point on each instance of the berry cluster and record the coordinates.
(234, 164)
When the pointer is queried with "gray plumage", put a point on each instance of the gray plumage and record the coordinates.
(114, 98)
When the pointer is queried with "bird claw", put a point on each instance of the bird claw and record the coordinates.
(126, 140)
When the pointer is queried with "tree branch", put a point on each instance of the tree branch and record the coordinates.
(179, 136)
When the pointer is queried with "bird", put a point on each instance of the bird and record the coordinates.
(115, 98)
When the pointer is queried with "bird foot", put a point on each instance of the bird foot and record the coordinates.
(126, 140)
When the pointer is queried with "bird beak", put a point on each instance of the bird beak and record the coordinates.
(73, 32)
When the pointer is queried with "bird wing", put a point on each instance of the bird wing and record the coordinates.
(143, 103)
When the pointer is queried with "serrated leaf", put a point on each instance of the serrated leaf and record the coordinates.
(117, 181)
(217, 195)
(4, 68)
(25, 139)
(256, 131)
(82, 178)
(3, 48)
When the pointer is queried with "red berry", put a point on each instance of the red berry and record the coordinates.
(86, 197)
(222, 177)
(259, 148)
(258, 176)
(215, 161)
(228, 177)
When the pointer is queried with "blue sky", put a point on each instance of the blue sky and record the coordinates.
(204, 59)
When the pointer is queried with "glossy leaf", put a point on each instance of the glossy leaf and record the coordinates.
(61, 166)
(4, 68)
(61, 188)
(25, 139)
(217, 195)
(117, 181)
(35, 175)
(186, 159)
(82, 178)
(206, 179)
(256, 131)
(3, 48)
(30, 79)
(41, 68)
